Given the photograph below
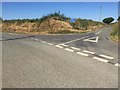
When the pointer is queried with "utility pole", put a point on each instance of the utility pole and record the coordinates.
(100, 12)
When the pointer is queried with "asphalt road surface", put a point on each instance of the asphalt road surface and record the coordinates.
(86, 60)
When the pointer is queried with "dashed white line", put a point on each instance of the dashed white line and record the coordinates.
(81, 53)
(75, 48)
(108, 57)
(43, 42)
(50, 43)
(58, 46)
(86, 51)
(36, 39)
(100, 59)
(117, 65)
(69, 49)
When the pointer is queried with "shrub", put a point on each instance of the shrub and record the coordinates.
(108, 20)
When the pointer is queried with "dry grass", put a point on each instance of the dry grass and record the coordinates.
(115, 34)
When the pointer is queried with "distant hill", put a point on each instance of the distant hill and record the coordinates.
(51, 23)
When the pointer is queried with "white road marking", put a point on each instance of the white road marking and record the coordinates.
(83, 54)
(58, 46)
(108, 57)
(75, 40)
(100, 59)
(86, 51)
(117, 65)
(98, 32)
(63, 45)
(43, 42)
(36, 39)
(69, 49)
(75, 48)
(90, 39)
(50, 43)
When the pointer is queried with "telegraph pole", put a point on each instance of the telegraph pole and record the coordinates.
(100, 12)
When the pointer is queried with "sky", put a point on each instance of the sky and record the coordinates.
(85, 10)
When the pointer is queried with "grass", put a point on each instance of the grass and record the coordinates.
(115, 34)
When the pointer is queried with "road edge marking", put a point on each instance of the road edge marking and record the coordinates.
(105, 56)
(74, 48)
(81, 53)
(36, 39)
(117, 65)
(86, 51)
(68, 49)
(43, 41)
(50, 43)
(101, 59)
(58, 46)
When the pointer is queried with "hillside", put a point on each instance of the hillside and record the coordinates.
(47, 26)
(51, 23)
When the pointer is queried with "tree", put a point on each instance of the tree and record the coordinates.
(108, 20)
(1, 19)
(118, 18)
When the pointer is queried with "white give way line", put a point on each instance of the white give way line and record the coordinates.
(92, 39)
(75, 40)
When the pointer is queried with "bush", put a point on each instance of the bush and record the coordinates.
(108, 20)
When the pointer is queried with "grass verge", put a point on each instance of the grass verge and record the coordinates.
(115, 34)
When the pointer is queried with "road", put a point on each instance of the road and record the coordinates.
(59, 61)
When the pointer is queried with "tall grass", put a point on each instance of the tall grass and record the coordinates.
(115, 34)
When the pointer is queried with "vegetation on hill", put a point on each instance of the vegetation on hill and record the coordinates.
(56, 16)
(51, 23)
(84, 24)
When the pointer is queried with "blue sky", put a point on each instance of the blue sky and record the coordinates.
(85, 10)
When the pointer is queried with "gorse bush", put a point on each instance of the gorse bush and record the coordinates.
(84, 24)
(55, 15)
(79, 24)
